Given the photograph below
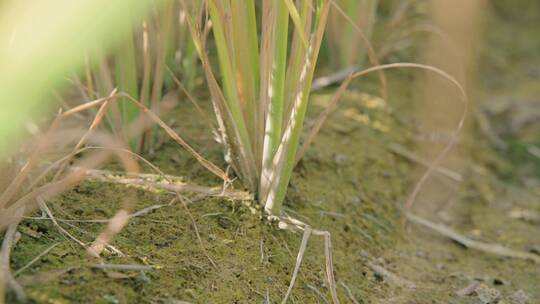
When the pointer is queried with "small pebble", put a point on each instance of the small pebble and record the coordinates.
(470, 289)
(421, 254)
(519, 297)
(340, 159)
(355, 200)
(487, 295)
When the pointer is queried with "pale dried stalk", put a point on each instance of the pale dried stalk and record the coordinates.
(6, 278)
(167, 182)
(299, 259)
(491, 248)
(433, 165)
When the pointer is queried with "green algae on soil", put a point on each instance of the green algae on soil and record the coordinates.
(347, 184)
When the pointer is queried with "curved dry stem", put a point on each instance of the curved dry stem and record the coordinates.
(95, 122)
(204, 162)
(423, 28)
(319, 121)
(434, 164)
(459, 126)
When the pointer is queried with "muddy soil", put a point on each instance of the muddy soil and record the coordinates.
(351, 183)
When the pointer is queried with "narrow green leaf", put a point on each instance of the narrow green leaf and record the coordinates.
(297, 22)
(244, 37)
(126, 80)
(284, 159)
(276, 90)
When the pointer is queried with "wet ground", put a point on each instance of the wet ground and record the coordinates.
(351, 183)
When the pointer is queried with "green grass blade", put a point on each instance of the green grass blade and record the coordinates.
(244, 37)
(231, 129)
(227, 69)
(225, 57)
(297, 22)
(284, 160)
(163, 34)
(297, 55)
(276, 90)
(126, 80)
(226, 63)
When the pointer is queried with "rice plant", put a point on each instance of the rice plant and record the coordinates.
(143, 65)
(259, 69)
(261, 97)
